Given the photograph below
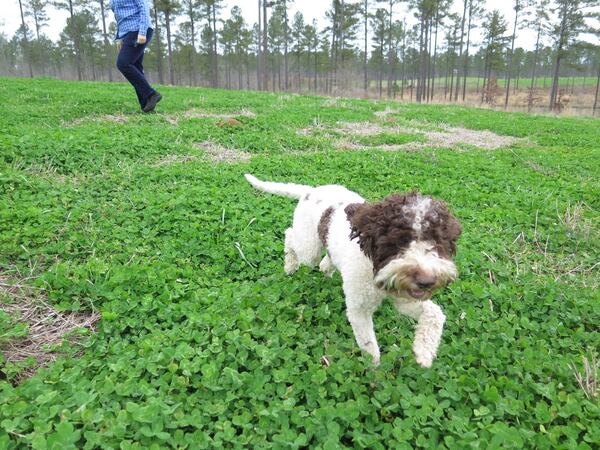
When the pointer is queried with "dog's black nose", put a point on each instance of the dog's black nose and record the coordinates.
(425, 285)
(424, 281)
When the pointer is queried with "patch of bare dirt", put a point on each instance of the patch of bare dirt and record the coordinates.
(219, 153)
(444, 137)
(453, 137)
(47, 328)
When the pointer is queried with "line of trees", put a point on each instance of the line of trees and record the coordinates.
(412, 49)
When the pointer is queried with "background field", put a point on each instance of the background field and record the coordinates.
(203, 340)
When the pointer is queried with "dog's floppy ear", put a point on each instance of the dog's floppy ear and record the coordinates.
(443, 228)
(359, 215)
(383, 229)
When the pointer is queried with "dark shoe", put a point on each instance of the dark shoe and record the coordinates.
(152, 101)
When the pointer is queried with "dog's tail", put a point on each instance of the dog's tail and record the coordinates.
(284, 189)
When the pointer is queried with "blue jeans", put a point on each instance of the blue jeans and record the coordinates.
(129, 63)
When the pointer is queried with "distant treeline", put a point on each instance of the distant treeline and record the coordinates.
(366, 48)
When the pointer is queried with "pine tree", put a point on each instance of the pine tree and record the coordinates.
(572, 15)
(517, 7)
(495, 41)
(540, 21)
(107, 46)
(298, 44)
(169, 9)
(36, 9)
(24, 30)
(70, 5)
(191, 11)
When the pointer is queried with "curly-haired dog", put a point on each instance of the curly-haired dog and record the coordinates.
(400, 247)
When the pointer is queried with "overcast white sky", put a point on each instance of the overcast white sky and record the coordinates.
(311, 9)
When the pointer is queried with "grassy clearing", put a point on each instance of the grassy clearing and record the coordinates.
(204, 342)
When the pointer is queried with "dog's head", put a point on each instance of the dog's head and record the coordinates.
(411, 241)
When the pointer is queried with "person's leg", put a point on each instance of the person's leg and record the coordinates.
(130, 53)
(139, 61)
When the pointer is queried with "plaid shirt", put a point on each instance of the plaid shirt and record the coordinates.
(131, 15)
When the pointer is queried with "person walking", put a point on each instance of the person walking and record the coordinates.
(134, 32)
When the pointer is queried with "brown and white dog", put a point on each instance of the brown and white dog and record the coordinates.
(401, 247)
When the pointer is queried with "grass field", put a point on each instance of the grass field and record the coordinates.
(204, 342)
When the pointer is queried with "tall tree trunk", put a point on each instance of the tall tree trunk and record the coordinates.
(365, 60)
(169, 50)
(316, 70)
(421, 57)
(192, 56)
(159, 60)
(403, 64)
(483, 86)
(285, 46)
(259, 49)
(512, 49)
(77, 47)
(559, 55)
(428, 59)
(390, 53)
(596, 96)
(265, 50)
(460, 53)
(26, 50)
(435, 42)
(215, 55)
(107, 47)
(466, 67)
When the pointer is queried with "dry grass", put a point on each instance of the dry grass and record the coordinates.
(352, 146)
(169, 160)
(444, 137)
(218, 153)
(573, 219)
(46, 327)
(453, 137)
(195, 113)
(335, 102)
(588, 379)
(114, 118)
(386, 112)
(45, 171)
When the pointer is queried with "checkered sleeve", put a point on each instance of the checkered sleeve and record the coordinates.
(144, 17)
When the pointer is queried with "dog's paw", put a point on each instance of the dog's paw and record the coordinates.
(424, 359)
(326, 266)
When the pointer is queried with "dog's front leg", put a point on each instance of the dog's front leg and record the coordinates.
(362, 325)
(428, 332)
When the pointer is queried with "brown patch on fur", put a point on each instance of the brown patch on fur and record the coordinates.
(385, 229)
(442, 228)
(324, 223)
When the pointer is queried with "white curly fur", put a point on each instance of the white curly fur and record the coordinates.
(362, 296)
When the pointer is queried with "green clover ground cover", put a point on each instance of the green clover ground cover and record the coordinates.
(201, 347)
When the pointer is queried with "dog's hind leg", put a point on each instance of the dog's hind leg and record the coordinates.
(428, 332)
(326, 266)
(291, 263)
